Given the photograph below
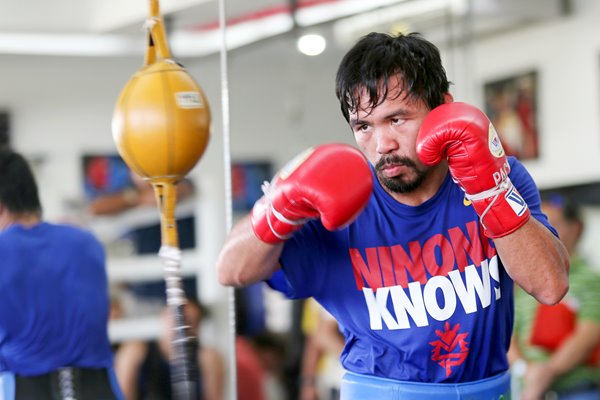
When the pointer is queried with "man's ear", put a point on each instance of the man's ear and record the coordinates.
(448, 98)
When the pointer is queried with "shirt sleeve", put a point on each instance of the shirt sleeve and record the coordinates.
(304, 255)
(526, 186)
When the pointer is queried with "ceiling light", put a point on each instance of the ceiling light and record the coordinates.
(311, 44)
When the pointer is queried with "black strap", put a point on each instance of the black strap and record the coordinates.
(65, 384)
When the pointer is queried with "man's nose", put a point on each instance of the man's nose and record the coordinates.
(386, 141)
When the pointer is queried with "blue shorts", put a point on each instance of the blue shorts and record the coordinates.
(366, 387)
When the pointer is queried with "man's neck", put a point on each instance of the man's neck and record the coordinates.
(26, 219)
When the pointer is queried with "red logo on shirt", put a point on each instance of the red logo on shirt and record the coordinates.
(445, 351)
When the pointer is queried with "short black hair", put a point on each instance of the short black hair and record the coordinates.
(377, 57)
(18, 188)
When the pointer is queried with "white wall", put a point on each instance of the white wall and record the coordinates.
(283, 102)
(566, 54)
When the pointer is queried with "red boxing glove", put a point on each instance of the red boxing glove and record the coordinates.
(332, 181)
(464, 136)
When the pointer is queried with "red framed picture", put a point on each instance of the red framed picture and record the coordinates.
(104, 174)
(247, 178)
(511, 105)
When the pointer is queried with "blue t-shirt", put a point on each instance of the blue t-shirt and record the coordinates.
(53, 300)
(419, 292)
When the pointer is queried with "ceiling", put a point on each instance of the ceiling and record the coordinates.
(115, 27)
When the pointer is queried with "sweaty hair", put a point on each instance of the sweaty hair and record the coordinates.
(18, 189)
(377, 57)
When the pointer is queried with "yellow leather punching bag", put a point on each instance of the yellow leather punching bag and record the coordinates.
(161, 123)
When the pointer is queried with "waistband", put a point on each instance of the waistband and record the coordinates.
(7, 385)
(63, 383)
(363, 387)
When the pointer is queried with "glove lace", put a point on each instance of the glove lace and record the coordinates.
(494, 192)
(266, 189)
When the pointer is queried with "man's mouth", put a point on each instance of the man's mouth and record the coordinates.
(391, 170)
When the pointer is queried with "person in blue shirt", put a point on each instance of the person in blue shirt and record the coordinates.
(54, 295)
(412, 241)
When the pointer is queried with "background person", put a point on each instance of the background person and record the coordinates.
(321, 372)
(54, 296)
(143, 368)
(559, 343)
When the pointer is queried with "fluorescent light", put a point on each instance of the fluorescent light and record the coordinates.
(185, 43)
(182, 43)
(69, 44)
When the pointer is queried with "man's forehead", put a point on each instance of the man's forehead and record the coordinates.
(393, 85)
(366, 101)
(391, 88)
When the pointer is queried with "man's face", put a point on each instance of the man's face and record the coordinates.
(387, 136)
